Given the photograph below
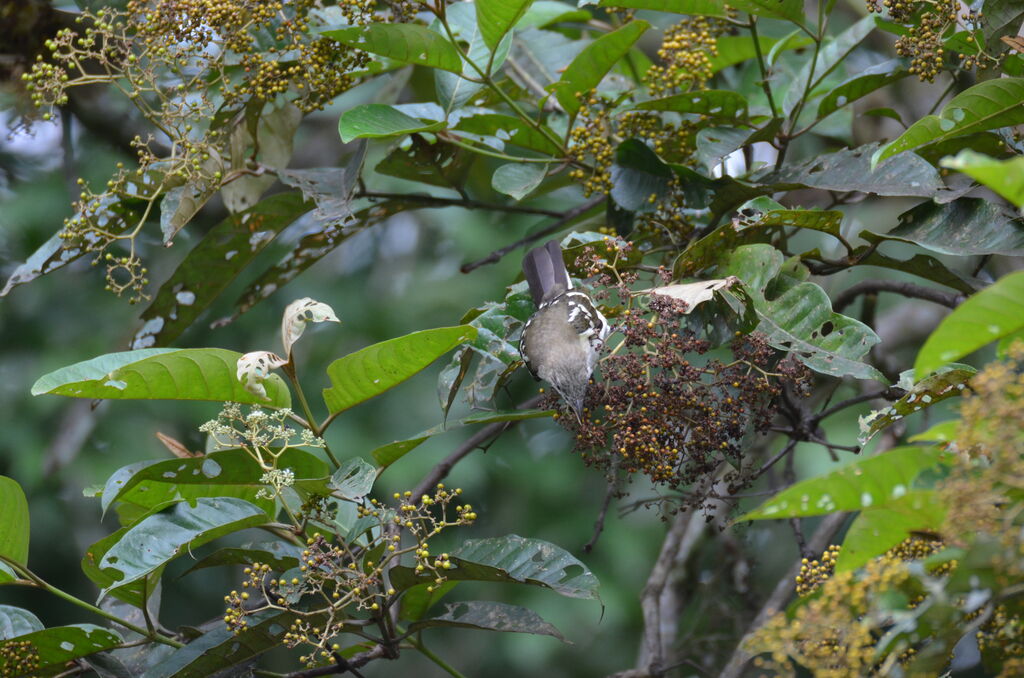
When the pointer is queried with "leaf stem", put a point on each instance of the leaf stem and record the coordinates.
(448, 138)
(39, 582)
(416, 643)
(763, 66)
(289, 370)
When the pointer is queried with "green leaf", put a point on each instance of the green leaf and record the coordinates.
(212, 265)
(263, 137)
(376, 121)
(59, 645)
(546, 12)
(715, 103)
(509, 129)
(943, 432)
(385, 455)
(15, 621)
(497, 17)
(874, 481)
(990, 314)
(878, 529)
(735, 49)
(922, 265)
(776, 9)
(225, 473)
(14, 528)
(987, 105)
(418, 600)
(637, 174)
(407, 43)
(512, 559)
(160, 374)
(181, 203)
(1005, 177)
(946, 383)
(7, 575)
(490, 616)
(964, 227)
(455, 91)
(156, 540)
(832, 53)
(591, 65)
(864, 83)
(354, 479)
(518, 179)
(279, 555)
(373, 370)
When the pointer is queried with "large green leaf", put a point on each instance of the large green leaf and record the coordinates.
(512, 559)
(735, 49)
(865, 483)
(511, 130)
(714, 103)
(57, 646)
(385, 455)
(455, 91)
(591, 65)
(638, 174)
(1005, 177)
(14, 527)
(878, 529)
(800, 320)
(964, 227)
(407, 43)
(226, 473)
(850, 169)
(922, 265)
(418, 600)
(833, 52)
(988, 105)
(487, 615)
(280, 555)
(994, 312)
(860, 85)
(946, 383)
(373, 370)
(212, 264)
(517, 179)
(156, 540)
(497, 17)
(160, 374)
(776, 9)
(375, 121)
(14, 621)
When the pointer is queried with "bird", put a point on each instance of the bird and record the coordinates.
(561, 340)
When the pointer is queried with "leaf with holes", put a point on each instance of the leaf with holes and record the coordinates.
(1005, 177)
(407, 43)
(160, 374)
(879, 528)
(964, 227)
(994, 312)
(56, 646)
(990, 104)
(373, 370)
(874, 481)
(490, 616)
(508, 129)
(14, 528)
(377, 121)
(946, 383)
(713, 103)
(225, 473)
(512, 559)
(212, 265)
(591, 65)
(354, 479)
(151, 543)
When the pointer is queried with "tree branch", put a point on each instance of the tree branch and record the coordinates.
(467, 203)
(947, 299)
(564, 219)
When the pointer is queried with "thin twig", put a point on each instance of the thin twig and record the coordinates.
(467, 203)
(565, 218)
(341, 665)
(613, 485)
(947, 299)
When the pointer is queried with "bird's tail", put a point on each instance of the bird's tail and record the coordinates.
(545, 272)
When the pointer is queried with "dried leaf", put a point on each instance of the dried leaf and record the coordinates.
(696, 293)
(176, 448)
(254, 367)
(297, 314)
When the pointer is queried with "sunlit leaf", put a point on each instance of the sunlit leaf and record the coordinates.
(874, 481)
(14, 528)
(407, 43)
(1005, 177)
(990, 314)
(487, 615)
(373, 370)
(591, 65)
(987, 105)
(878, 529)
(160, 374)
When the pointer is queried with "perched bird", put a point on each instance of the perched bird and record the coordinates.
(562, 338)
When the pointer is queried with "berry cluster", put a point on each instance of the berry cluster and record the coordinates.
(590, 146)
(813, 572)
(686, 52)
(335, 579)
(18, 657)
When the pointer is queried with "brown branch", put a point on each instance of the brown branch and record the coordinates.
(563, 219)
(613, 484)
(444, 467)
(342, 665)
(947, 299)
(781, 594)
(467, 203)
